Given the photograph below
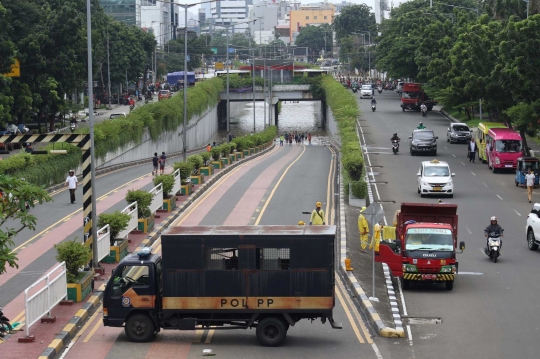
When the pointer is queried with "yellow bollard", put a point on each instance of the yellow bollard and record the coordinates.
(348, 264)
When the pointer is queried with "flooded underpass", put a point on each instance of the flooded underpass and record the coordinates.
(302, 117)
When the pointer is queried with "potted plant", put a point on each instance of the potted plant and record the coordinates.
(250, 144)
(240, 147)
(76, 255)
(169, 199)
(186, 169)
(216, 154)
(144, 200)
(117, 222)
(207, 169)
(197, 162)
(232, 154)
(225, 151)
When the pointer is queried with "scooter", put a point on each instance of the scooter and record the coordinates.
(5, 327)
(395, 146)
(131, 107)
(373, 107)
(379, 89)
(424, 113)
(354, 90)
(493, 250)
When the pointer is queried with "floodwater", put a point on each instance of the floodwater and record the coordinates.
(302, 116)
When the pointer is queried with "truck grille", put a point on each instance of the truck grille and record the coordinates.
(428, 270)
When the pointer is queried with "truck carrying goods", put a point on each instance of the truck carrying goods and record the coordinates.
(263, 277)
(425, 246)
(413, 96)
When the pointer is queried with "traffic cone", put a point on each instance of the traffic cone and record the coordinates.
(348, 265)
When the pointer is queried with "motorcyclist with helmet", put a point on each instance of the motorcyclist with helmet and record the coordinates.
(395, 137)
(421, 126)
(493, 227)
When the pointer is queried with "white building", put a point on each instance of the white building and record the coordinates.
(161, 19)
(229, 12)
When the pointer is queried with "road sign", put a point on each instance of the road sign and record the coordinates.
(231, 50)
(374, 213)
(15, 70)
(187, 58)
(214, 50)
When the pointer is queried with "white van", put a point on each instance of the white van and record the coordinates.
(399, 88)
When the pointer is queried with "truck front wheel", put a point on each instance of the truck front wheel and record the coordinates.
(271, 332)
(140, 328)
(450, 285)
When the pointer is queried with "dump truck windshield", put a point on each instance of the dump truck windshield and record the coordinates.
(439, 239)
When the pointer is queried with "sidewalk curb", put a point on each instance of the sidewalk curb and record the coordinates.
(62, 339)
(448, 117)
(368, 309)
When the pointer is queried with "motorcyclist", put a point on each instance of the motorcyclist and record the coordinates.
(421, 126)
(373, 101)
(423, 107)
(395, 138)
(493, 227)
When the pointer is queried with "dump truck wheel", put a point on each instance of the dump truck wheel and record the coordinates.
(140, 328)
(271, 332)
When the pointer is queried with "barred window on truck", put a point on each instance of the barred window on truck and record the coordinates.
(273, 259)
(221, 258)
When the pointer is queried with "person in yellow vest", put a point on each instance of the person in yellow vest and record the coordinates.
(363, 228)
(317, 216)
(376, 239)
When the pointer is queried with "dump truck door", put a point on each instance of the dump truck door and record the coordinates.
(391, 258)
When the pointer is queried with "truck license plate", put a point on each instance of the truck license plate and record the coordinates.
(437, 188)
(429, 276)
(507, 165)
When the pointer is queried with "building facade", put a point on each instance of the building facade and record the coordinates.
(229, 12)
(310, 15)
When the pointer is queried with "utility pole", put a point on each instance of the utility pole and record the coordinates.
(108, 69)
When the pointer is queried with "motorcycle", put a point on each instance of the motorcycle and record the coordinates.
(493, 250)
(373, 107)
(379, 89)
(424, 113)
(5, 326)
(395, 146)
(131, 107)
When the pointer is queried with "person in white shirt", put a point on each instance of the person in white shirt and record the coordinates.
(472, 150)
(529, 177)
(71, 182)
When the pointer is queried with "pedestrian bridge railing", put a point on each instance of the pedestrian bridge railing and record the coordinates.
(104, 242)
(177, 182)
(157, 200)
(133, 221)
(51, 289)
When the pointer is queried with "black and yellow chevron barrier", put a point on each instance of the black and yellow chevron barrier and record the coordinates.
(439, 277)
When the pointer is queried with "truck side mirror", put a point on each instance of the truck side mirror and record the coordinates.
(398, 243)
(436, 137)
(462, 246)
(418, 174)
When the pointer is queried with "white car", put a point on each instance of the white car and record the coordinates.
(366, 91)
(434, 177)
(533, 228)
(117, 115)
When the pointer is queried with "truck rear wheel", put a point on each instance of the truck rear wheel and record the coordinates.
(140, 328)
(271, 332)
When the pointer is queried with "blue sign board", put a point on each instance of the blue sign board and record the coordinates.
(231, 50)
(187, 58)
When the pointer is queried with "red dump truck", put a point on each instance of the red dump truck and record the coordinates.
(413, 96)
(425, 246)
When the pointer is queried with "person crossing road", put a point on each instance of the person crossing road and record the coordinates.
(317, 216)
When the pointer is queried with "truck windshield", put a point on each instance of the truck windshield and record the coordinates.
(128, 277)
(508, 146)
(437, 239)
(436, 171)
(410, 94)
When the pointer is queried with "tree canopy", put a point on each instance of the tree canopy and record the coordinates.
(315, 37)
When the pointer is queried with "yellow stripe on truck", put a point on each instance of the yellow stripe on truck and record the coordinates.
(258, 303)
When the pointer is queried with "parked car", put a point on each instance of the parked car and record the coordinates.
(399, 88)
(434, 177)
(423, 141)
(164, 94)
(458, 132)
(117, 115)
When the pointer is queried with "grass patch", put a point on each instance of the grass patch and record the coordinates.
(462, 117)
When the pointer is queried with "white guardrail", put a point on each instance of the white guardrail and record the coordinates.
(133, 222)
(52, 289)
(157, 201)
(177, 182)
(104, 242)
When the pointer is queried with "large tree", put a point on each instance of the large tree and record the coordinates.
(7, 53)
(315, 37)
(355, 18)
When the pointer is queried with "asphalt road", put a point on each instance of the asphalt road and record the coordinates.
(491, 313)
(274, 189)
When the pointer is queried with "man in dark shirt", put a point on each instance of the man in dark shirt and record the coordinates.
(155, 161)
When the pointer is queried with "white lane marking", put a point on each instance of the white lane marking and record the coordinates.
(484, 184)
(468, 230)
(471, 273)
(376, 350)
(402, 297)
(463, 163)
(453, 155)
(519, 214)
(482, 250)
(473, 173)
(500, 197)
(446, 148)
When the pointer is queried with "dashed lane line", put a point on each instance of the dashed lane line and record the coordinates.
(473, 173)
(500, 197)
(519, 214)
(463, 163)
(468, 230)
(453, 155)
(484, 183)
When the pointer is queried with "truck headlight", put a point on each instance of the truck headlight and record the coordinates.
(497, 160)
(448, 269)
(410, 268)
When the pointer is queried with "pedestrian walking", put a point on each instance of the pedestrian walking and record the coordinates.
(317, 216)
(208, 148)
(162, 161)
(363, 229)
(71, 182)
(472, 149)
(290, 139)
(155, 163)
(529, 177)
(281, 139)
(309, 138)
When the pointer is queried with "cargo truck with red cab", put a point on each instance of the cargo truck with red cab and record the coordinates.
(413, 96)
(425, 246)
(217, 277)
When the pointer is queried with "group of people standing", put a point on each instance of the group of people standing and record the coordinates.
(298, 138)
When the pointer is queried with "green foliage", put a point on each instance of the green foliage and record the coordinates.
(13, 215)
(233, 146)
(235, 81)
(225, 149)
(316, 85)
(241, 143)
(216, 153)
(315, 37)
(143, 199)
(168, 183)
(206, 156)
(197, 162)
(75, 254)
(186, 168)
(117, 222)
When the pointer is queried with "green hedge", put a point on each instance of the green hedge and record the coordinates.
(345, 110)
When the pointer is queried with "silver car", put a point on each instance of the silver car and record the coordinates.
(458, 132)
(366, 91)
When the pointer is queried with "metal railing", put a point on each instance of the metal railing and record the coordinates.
(157, 200)
(104, 242)
(177, 182)
(133, 221)
(41, 302)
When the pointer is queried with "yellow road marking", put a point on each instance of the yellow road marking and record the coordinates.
(360, 321)
(198, 336)
(351, 320)
(19, 317)
(92, 332)
(209, 336)
(205, 196)
(86, 325)
(275, 188)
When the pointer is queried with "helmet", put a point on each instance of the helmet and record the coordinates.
(493, 219)
(421, 124)
(71, 171)
(395, 134)
(301, 223)
(318, 204)
(363, 209)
